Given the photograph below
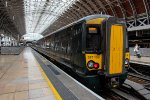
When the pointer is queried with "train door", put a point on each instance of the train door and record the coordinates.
(114, 46)
(76, 46)
(116, 49)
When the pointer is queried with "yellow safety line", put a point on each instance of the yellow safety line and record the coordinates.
(58, 97)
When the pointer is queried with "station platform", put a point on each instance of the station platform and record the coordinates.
(29, 76)
(142, 60)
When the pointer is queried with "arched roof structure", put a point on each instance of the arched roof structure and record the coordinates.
(12, 13)
(135, 12)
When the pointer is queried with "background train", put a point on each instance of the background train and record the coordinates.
(95, 47)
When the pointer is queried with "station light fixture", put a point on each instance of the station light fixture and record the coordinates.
(13, 17)
(6, 3)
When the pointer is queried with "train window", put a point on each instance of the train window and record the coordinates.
(68, 48)
(77, 30)
(47, 45)
(93, 38)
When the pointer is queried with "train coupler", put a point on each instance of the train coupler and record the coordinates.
(114, 82)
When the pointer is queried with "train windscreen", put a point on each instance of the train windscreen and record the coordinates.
(93, 39)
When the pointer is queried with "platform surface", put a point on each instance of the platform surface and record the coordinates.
(21, 79)
(145, 60)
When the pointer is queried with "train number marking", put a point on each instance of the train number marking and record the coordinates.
(90, 57)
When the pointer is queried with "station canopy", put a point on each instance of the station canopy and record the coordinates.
(45, 16)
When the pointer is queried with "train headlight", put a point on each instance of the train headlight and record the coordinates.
(90, 64)
(126, 61)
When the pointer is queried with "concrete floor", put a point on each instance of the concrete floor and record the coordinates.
(142, 59)
(21, 79)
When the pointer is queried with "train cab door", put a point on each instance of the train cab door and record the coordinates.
(115, 47)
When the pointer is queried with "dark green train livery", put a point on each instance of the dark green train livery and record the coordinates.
(94, 47)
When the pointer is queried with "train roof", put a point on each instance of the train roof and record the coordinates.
(94, 16)
(80, 20)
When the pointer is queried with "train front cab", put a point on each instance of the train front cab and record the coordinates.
(108, 59)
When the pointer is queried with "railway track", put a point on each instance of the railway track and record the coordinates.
(140, 68)
(111, 95)
(141, 79)
(118, 94)
(140, 73)
(124, 92)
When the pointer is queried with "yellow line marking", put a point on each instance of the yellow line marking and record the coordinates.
(58, 97)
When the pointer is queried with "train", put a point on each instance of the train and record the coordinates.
(94, 47)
